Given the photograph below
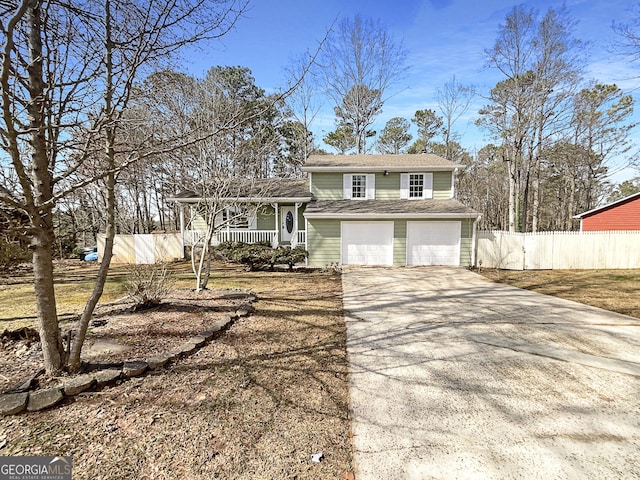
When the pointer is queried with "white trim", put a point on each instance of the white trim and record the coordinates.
(377, 169)
(243, 200)
(369, 186)
(427, 186)
(393, 216)
(608, 205)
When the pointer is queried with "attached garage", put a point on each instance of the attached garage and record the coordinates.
(433, 243)
(367, 243)
(390, 232)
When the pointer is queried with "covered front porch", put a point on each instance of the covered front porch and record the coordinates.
(276, 224)
(260, 211)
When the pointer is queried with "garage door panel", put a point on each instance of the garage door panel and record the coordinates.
(433, 243)
(367, 243)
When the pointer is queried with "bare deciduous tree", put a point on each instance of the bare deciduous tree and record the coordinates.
(358, 63)
(66, 77)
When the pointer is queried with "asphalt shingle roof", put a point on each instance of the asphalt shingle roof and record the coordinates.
(380, 161)
(263, 188)
(391, 207)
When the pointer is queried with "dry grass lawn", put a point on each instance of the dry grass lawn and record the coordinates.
(614, 290)
(255, 403)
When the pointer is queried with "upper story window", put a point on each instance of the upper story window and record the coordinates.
(359, 186)
(416, 185)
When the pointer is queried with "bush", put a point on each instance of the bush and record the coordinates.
(13, 253)
(148, 285)
(260, 255)
(288, 256)
(255, 256)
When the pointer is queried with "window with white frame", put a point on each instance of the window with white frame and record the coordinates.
(359, 186)
(416, 185)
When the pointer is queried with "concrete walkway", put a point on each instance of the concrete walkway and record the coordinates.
(453, 376)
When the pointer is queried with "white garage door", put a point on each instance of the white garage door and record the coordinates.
(433, 243)
(367, 243)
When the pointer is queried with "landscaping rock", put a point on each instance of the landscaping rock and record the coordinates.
(104, 377)
(12, 403)
(76, 385)
(210, 333)
(41, 399)
(198, 341)
(134, 368)
(184, 349)
(159, 361)
(30, 383)
(243, 312)
(99, 365)
(233, 295)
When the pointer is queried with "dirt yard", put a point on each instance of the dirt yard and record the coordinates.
(615, 290)
(255, 403)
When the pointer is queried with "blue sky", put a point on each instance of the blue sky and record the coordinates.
(443, 38)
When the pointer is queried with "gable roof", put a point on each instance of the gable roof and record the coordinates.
(263, 190)
(448, 208)
(609, 205)
(402, 162)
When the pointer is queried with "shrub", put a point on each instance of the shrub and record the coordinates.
(260, 255)
(255, 256)
(148, 285)
(13, 253)
(288, 256)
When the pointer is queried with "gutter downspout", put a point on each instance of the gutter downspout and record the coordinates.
(474, 240)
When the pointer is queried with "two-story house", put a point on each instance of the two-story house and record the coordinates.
(386, 210)
(359, 209)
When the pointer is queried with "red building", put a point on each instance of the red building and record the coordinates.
(621, 215)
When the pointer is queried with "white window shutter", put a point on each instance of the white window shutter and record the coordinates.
(371, 186)
(404, 186)
(346, 186)
(427, 191)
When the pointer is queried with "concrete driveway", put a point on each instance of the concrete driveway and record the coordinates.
(453, 376)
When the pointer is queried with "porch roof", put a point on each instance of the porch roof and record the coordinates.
(389, 209)
(252, 190)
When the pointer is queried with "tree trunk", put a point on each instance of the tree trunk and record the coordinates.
(110, 130)
(50, 338)
(43, 238)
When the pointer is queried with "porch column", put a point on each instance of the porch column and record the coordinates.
(276, 239)
(294, 240)
(182, 230)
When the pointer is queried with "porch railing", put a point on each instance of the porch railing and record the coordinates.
(192, 237)
(301, 238)
(245, 236)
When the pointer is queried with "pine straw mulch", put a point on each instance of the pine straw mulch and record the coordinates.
(255, 403)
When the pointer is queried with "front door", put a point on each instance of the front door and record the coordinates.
(287, 223)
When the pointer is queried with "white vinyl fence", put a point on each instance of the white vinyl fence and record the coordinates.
(143, 248)
(558, 250)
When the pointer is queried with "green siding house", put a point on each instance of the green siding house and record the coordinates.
(359, 209)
